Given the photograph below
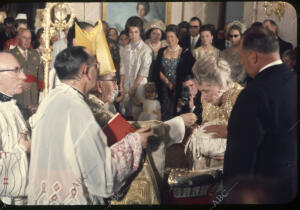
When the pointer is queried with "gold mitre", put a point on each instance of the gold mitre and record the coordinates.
(95, 42)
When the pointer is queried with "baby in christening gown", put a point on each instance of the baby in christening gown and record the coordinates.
(151, 106)
(204, 150)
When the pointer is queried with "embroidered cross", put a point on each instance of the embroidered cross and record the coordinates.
(5, 181)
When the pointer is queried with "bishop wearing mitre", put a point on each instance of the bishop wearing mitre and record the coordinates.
(144, 186)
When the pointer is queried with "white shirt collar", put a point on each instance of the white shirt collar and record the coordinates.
(196, 37)
(277, 62)
(22, 51)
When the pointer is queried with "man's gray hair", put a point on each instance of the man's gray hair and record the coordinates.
(261, 40)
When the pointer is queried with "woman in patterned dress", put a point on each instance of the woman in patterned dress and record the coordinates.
(172, 64)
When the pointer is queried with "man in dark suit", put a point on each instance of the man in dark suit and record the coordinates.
(272, 26)
(262, 129)
(193, 104)
(192, 41)
(7, 32)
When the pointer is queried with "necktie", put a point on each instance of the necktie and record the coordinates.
(193, 43)
(25, 54)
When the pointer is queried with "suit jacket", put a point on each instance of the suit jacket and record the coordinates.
(3, 38)
(186, 43)
(198, 108)
(283, 45)
(32, 66)
(262, 130)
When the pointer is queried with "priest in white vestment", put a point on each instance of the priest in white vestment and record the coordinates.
(70, 161)
(171, 131)
(13, 129)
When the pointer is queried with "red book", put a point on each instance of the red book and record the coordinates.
(116, 129)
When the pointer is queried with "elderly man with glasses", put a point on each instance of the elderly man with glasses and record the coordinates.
(14, 145)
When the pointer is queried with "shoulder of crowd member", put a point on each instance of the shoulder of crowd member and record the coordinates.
(146, 48)
(161, 52)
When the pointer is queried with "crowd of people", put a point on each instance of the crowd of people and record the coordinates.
(235, 87)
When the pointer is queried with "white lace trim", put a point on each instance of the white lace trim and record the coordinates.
(202, 144)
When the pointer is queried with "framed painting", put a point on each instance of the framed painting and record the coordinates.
(117, 13)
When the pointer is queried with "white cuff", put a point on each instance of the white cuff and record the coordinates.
(177, 130)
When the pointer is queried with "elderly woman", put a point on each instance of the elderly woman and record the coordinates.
(155, 35)
(172, 64)
(206, 146)
(134, 68)
(206, 48)
(231, 55)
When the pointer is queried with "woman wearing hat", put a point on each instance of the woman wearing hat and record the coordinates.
(231, 55)
(155, 40)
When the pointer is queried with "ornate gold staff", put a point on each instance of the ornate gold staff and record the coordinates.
(57, 16)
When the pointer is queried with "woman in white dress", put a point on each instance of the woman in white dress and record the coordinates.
(206, 146)
(134, 69)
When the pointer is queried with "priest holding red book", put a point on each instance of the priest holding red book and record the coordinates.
(71, 162)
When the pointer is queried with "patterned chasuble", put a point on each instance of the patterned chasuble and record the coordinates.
(143, 188)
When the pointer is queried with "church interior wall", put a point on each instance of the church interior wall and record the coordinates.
(208, 12)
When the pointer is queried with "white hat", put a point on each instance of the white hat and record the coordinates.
(22, 16)
(155, 24)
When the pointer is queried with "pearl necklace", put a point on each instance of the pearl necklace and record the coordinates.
(157, 46)
(171, 50)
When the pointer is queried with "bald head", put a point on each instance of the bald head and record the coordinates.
(11, 75)
(7, 60)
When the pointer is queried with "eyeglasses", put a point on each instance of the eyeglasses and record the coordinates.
(234, 35)
(17, 69)
(194, 26)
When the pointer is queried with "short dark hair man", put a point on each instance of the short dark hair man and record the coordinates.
(190, 98)
(262, 129)
(271, 25)
(70, 145)
(193, 41)
(7, 32)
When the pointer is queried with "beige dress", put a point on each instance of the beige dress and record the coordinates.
(200, 52)
(201, 149)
